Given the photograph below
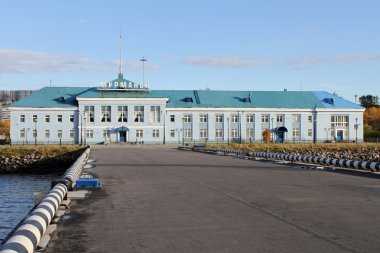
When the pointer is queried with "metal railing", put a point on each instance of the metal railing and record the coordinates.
(29, 233)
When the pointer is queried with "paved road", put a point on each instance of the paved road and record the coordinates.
(159, 199)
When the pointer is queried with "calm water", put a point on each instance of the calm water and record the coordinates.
(16, 198)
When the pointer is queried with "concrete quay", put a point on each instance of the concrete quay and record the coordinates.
(160, 199)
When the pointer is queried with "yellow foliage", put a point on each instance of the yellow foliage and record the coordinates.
(5, 128)
(266, 135)
(372, 117)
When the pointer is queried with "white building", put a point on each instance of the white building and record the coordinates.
(123, 111)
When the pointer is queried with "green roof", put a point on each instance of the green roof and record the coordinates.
(50, 97)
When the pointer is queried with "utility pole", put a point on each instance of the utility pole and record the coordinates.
(143, 62)
(228, 133)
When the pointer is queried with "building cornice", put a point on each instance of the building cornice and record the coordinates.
(123, 99)
(42, 109)
(268, 109)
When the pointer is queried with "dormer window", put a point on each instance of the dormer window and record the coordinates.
(187, 100)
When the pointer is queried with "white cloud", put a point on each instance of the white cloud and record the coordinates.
(27, 61)
(219, 61)
(240, 62)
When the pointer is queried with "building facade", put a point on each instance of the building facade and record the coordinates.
(124, 111)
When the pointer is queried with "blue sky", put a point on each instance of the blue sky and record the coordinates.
(222, 45)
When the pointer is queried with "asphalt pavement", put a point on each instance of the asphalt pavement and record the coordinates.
(160, 199)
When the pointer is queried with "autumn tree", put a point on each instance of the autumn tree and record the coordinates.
(266, 135)
(5, 128)
(372, 117)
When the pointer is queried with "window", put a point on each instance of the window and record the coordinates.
(71, 134)
(279, 118)
(249, 132)
(172, 118)
(71, 118)
(219, 133)
(154, 114)
(203, 118)
(106, 133)
(34, 133)
(22, 133)
(339, 120)
(139, 133)
(187, 133)
(47, 134)
(219, 118)
(234, 133)
(309, 132)
(172, 133)
(34, 118)
(249, 118)
(156, 133)
(47, 118)
(296, 118)
(234, 118)
(310, 119)
(203, 133)
(59, 118)
(264, 118)
(139, 114)
(106, 113)
(122, 114)
(90, 134)
(22, 118)
(59, 134)
(89, 113)
(187, 118)
(296, 132)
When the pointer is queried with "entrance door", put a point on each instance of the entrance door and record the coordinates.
(123, 136)
(280, 137)
(339, 135)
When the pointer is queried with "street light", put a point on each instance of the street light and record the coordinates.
(85, 130)
(240, 125)
(35, 133)
(163, 118)
(143, 62)
(228, 133)
(183, 131)
(81, 129)
(272, 130)
(356, 130)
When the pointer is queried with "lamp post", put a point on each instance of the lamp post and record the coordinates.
(35, 133)
(272, 130)
(143, 62)
(315, 125)
(356, 130)
(240, 115)
(84, 130)
(81, 129)
(164, 119)
(356, 96)
(228, 132)
(183, 131)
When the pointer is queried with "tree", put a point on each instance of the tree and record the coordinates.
(5, 129)
(371, 117)
(266, 135)
(368, 101)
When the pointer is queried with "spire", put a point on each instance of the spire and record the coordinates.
(121, 60)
